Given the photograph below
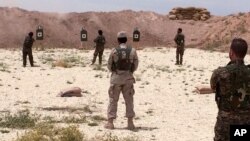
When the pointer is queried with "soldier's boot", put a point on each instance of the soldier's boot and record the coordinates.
(109, 124)
(131, 125)
(94, 59)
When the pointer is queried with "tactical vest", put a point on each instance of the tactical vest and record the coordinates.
(237, 97)
(123, 63)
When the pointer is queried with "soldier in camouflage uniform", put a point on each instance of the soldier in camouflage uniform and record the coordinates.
(27, 49)
(180, 42)
(99, 48)
(123, 61)
(232, 86)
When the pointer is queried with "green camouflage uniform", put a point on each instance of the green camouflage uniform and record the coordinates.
(180, 41)
(232, 86)
(99, 48)
(27, 50)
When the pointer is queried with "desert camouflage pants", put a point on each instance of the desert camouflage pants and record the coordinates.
(224, 120)
(128, 95)
(179, 54)
(98, 52)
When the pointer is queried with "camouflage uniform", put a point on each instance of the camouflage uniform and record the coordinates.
(27, 50)
(121, 81)
(179, 40)
(232, 86)
(99, 48)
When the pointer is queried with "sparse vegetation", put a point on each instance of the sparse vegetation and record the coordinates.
(21, 120)
(67, 61)
(164, 69)
(68, 109)
(99, 68)
(4, 67)
(70, 134)
(98, 118)
(47, 132)
(61, 63)
(4, 131)
(242, 29)
(212, 45)
(73, 119)
(110, 137)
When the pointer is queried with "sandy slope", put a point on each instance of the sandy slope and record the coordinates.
(165, 105)
(62, 30)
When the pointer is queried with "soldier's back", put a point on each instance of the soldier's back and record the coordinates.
(234, 82)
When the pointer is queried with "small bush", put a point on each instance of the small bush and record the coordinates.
(98, 118)
(4, 67)
(71, 134)
(80, 119)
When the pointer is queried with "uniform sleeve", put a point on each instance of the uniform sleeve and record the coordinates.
(110, 60)
(214, 79)
(219, 75)
(96, 39)
(136, 61)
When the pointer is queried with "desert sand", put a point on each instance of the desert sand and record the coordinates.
(166, 107)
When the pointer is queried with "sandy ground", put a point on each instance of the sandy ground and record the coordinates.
(165, 106)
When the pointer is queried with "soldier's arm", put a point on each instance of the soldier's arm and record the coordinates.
(110, 60)
(135, 60)
(214, 79)
(96, 39)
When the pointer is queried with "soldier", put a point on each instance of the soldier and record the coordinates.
(232, 86)
(27, 49)
(99, 48)
(122, 62)
(180, 42)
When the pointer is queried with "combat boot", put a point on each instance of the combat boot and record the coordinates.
(177, 63)
(131, 125)
(109, 124)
